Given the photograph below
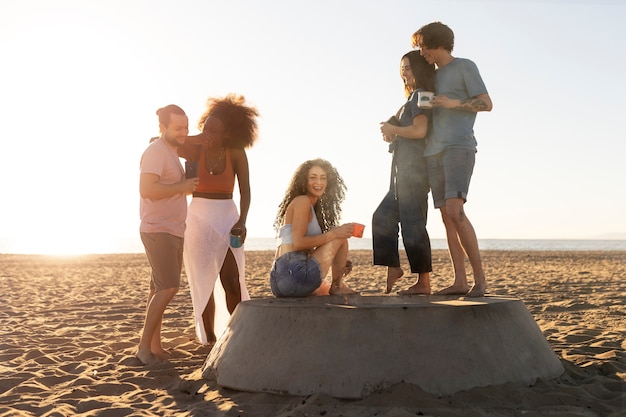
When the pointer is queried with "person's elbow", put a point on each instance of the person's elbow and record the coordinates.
(146, 192)
(421, 132)
(148, 186)
(299, 243)
(299, 246)
(487, 100)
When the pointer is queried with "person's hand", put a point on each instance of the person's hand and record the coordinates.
(444, 101)
(386, 129)
(344, 231)
(198, 139)
(189, 185)
(244, 231)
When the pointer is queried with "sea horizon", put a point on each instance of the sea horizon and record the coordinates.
(134, 245)
(255, 244)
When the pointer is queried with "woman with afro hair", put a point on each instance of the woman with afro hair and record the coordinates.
(228, 127)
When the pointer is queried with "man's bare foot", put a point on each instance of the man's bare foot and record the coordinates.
(416, 289)
(341, 289)
(146, 358)
(478, 290)
(162, 354)
(393, 274)
(454, 290)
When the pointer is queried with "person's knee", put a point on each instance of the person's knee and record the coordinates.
(230, 279)
(453, 211)
(168, 293)
(231, 284)
(414, 240)
(456, 215)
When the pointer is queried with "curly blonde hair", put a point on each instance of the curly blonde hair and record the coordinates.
(239, 119)
(328, 206)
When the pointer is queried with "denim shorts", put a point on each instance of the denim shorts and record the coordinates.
(449, 173)
(295, 274)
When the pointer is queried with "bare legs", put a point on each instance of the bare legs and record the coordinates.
(462, 241)
(229, 276)
(150, 349)
(208, 319)
(394, 273)
(334, 256)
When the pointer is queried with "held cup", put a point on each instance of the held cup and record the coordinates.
(235, 237)
(358, 230)
(424, 99)
(191, 169)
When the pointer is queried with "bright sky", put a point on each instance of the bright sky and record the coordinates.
(81, 81)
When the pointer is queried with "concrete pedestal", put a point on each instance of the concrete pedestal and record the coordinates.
(348, 347)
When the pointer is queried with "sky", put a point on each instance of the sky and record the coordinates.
(81, 81)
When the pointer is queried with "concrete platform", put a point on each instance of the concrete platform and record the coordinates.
(349, 347)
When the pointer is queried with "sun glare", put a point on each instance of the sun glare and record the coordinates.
(59, 244)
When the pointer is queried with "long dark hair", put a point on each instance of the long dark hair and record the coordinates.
(423, 72)
(328, 206)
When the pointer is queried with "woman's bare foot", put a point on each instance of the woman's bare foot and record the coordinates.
(416, 289)
(455, 289)
(323, 289)
(393, 274)
(341, 289)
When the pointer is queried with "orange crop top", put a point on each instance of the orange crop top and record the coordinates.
(223, 183)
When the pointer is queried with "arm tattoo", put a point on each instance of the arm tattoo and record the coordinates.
(473, 104)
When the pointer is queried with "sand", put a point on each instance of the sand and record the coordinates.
(69, 328)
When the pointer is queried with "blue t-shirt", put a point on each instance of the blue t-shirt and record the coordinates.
(459, 80)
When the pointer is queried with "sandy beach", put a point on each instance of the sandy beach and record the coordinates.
(69, 328)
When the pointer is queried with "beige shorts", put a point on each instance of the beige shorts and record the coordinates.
(165, 254)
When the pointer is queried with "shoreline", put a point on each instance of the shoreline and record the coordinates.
(130, 245)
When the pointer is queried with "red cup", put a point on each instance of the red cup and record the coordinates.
(358, 230)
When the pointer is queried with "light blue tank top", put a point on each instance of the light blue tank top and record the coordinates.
(285, 234)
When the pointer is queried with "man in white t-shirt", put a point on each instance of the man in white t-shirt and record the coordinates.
(163, 209)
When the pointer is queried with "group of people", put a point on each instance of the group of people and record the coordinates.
(433, 149)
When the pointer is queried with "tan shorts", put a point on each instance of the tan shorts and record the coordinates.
(165, 254)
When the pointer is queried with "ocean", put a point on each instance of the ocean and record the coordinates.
(134, 245)
(484, 244)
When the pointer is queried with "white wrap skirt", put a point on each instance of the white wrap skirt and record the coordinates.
(207, 240)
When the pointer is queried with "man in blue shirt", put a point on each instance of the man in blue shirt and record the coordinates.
(450, 152)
